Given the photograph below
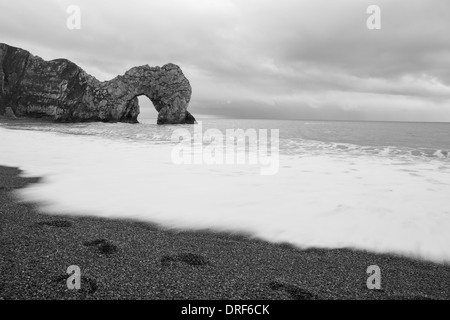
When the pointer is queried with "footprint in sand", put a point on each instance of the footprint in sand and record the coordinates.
(294, 291)
(103, 246)
(188, 258)
(88, 285)
(56, 223)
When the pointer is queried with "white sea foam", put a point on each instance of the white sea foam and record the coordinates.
(382, 204)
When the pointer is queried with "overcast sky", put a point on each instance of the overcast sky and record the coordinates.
(280, 59)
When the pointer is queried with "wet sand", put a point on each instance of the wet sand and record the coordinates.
(121, 259)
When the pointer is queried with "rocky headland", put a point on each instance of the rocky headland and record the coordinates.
(61, 91)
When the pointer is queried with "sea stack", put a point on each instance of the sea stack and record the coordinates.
(61, 91)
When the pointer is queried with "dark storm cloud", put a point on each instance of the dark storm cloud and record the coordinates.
(266, 58)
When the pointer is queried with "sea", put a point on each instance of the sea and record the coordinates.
(382, 187)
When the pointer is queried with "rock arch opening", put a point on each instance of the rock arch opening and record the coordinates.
(147, 110)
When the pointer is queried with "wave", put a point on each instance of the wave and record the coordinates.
(323, 198)
(302, 146)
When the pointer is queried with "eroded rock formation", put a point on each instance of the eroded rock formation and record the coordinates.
(62, 91)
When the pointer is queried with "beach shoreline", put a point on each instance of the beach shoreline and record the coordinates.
(123, 259)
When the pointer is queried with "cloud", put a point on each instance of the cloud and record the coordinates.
(281, 59)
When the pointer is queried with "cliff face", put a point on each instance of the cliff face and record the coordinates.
(62, 91)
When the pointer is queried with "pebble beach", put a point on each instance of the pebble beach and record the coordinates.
(125, 259)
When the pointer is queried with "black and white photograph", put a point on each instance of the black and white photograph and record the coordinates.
(224, 155)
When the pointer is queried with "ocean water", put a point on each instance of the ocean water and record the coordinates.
(377, 186)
